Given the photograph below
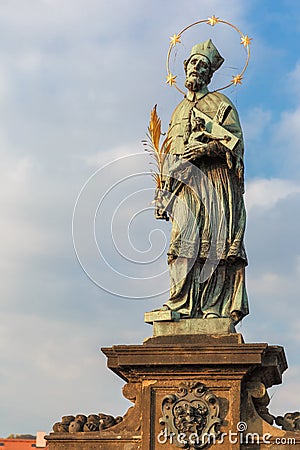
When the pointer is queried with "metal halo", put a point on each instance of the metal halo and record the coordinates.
(213, 20)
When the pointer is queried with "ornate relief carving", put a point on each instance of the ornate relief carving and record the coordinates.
(77, 424)
(290, 421)
(63, 426)
(191, 415)
(258, 396)
(93, 422)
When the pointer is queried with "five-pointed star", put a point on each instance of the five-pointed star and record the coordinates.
(175, 39)
(213, 20)
(246, 40)
(237, 80)
(171, 79)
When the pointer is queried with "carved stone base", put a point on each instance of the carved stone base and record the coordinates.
(187, 387)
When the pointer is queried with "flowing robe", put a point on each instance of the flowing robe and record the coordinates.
(207, 258)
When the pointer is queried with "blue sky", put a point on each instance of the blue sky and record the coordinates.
(77, 82)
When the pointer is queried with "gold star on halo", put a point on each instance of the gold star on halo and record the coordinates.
(171, 79)
(246, 40)
(212, 20)
(237, 79)
(175, 39)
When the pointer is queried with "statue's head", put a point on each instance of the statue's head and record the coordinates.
(200, 122)
(204, 60)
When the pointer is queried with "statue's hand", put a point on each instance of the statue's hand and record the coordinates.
(161, 214)
(160, 201)
(195, 150)
(215, 148)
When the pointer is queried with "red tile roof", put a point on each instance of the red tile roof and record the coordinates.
(17, 444)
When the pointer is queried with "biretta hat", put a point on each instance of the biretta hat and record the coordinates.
(208, 50)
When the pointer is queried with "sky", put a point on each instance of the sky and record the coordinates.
(78, 80)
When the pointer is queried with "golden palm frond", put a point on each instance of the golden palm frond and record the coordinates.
(152, 146)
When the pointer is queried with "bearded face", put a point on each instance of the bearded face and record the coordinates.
(198, 73)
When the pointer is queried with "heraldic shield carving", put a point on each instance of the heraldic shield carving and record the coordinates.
(191, 416)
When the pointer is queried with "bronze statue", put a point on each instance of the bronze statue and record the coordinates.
(202, 193)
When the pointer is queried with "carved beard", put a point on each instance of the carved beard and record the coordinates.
(195, 83)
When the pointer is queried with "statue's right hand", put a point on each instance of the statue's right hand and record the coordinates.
(159, 200)
(161, 214)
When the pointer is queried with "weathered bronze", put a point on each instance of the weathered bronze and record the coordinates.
(202, 193)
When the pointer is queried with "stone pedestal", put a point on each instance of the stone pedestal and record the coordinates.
(215, 380)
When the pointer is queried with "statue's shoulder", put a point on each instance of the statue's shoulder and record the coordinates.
(181, 105)
(181, 110)
(218, 97)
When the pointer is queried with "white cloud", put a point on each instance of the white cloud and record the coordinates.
(266, 193)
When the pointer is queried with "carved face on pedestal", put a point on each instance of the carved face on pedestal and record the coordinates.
(198, 72)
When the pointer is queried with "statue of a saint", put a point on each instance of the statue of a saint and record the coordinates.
(205, 133)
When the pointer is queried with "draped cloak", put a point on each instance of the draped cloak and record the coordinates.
(207, 257)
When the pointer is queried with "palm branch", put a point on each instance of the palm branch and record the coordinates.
(157, 152)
